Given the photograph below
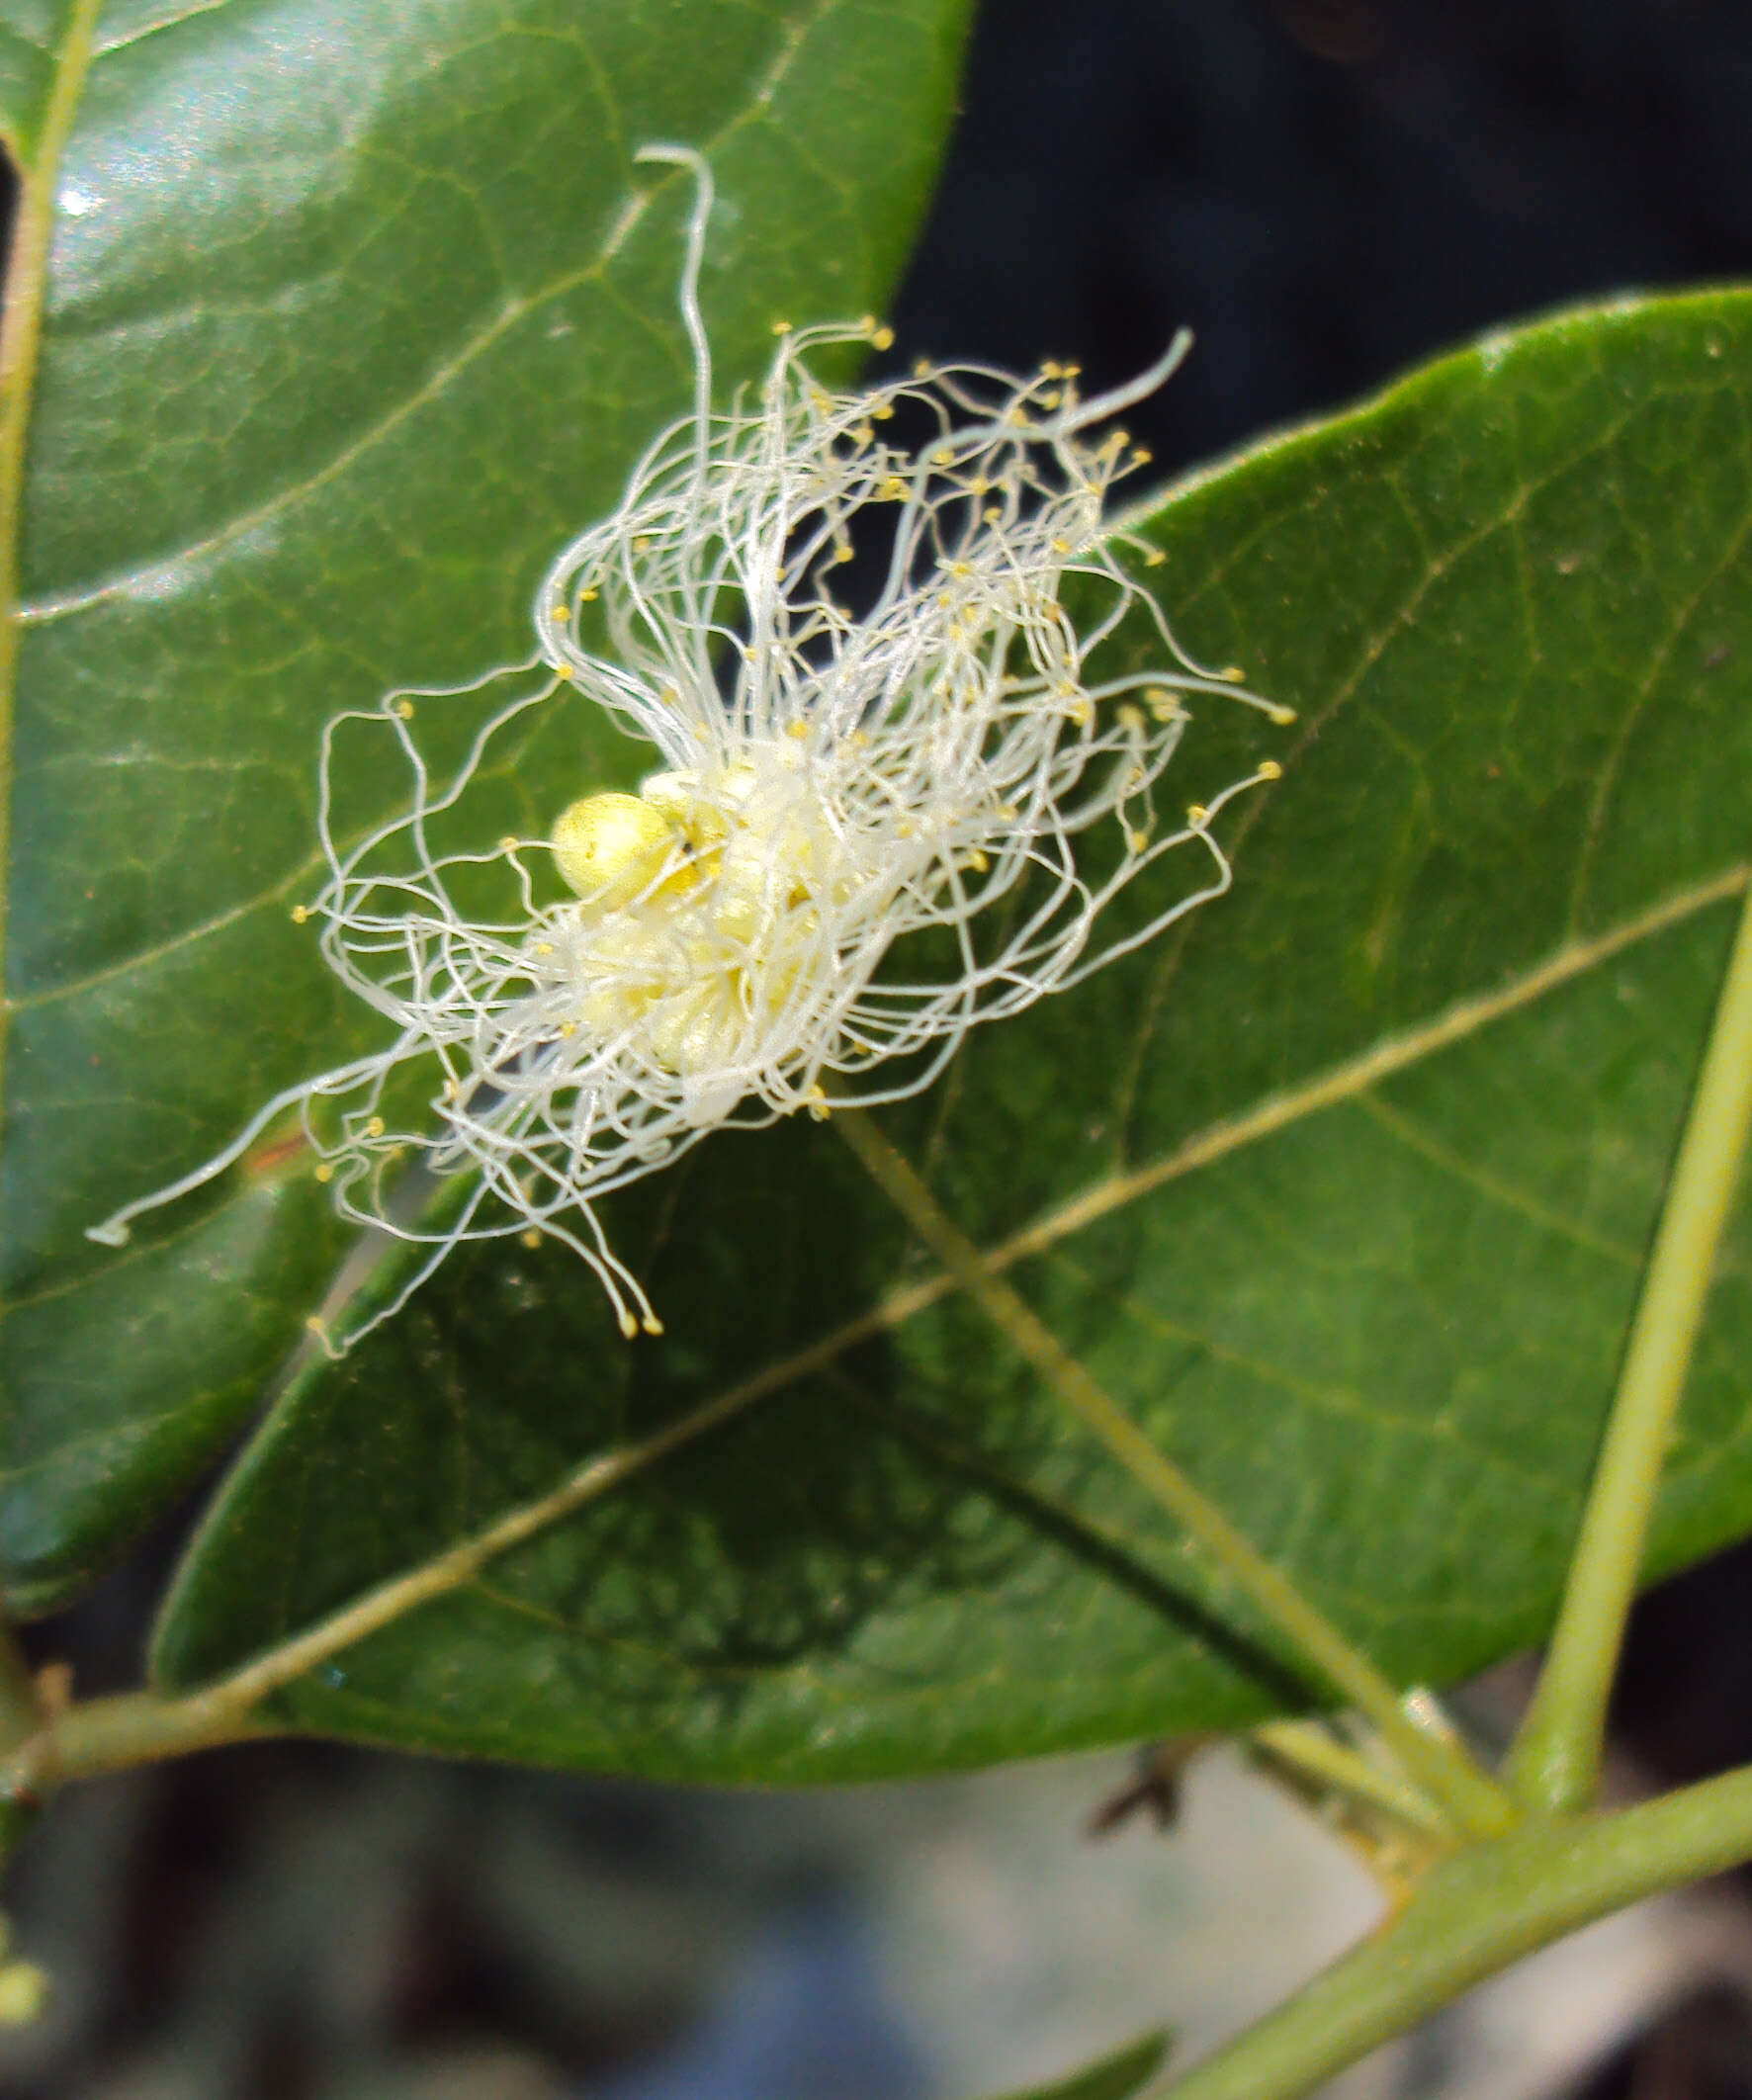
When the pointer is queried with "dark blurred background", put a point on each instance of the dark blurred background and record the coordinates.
(1326, 190)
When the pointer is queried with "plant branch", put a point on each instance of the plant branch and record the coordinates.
(1476, 1912)
(1557, 1759)
(1433, 1759)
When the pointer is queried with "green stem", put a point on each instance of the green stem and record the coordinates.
(1431, 1758)
(1305, 1749)
(1556, 1762)
(1476, 1913)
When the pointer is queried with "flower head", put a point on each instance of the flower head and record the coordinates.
(796, 907)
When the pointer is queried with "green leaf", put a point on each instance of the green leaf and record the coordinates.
(353, 314)
(1117, 2077)
(1342, 1191)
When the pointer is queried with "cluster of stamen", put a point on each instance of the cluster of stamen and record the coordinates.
(796, 906)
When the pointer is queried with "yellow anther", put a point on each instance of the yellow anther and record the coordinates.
(586, 595)
(642, 542)
(404, 708)
(1141, 456)
(530, 1239)
(1269, 769)
(544, 947)
(1137, 840)
(1196, 815)
(779, 327)
(325, 1172)
(890, 489)
(798, 730)
(559, 612)
(816, 1102)
(1155, 558)
(882, 412)
(610, 847)
(842, 554)
(299, 913)
(942, 456)
(1282, 715)
(992, 515)
(1052, 399)
(1060, 547)
(563, 670)
(374, 1127)
(652, 1324)
(1234, 675)
(569, 1027)
(508, 845)
(1130, 718)
(976, 863)
(922, 367)
(630, 1325)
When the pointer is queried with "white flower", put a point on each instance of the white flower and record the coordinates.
(797, 906)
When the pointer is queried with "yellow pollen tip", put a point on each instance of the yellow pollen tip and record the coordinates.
(404, 708)
(1283, 715)
(630, 1325)
(1155, 558)
(589, 595)
(779, 327)
(323, 1170)
(530, 1239)
(564, 671)
(1269, 769)
(559, 612)
(299, 913)
(375, 1128)
(1137, 840)
(1198, 815)
(652, 1324)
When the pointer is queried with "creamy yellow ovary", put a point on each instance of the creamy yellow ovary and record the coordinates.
(697, 912)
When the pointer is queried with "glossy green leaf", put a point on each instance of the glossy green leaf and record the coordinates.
(353, 312)
(1117, 2077)
(1343, 1190)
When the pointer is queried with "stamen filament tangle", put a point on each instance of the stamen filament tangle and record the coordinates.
(827, 786)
